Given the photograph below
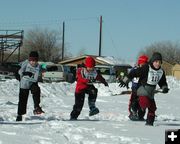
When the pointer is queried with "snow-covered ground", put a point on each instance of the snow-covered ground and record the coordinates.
(111, 126)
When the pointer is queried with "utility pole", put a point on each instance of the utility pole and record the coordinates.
(100, 36)
(63, 41)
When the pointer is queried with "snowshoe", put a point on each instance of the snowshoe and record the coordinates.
(141, 114)
(38, 111)
(136, 118)
(133, 117)
(19, 118)
(149, 124)
(141, 119)
(73, 119)
(93, 111)
(150, 120)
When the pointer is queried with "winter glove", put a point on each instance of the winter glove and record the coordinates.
(17, 76)
(43, 66)
(106, 84)
(124, 82)
(165, 90)
(27, 74)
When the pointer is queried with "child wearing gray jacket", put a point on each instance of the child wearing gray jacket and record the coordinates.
(29, 73)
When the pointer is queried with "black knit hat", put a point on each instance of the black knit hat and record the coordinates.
(156, 56)
(34, 55)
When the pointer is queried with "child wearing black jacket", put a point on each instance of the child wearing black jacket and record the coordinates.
(150, 75)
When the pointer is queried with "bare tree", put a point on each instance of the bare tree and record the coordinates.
(169, 50)
(46, 42)
(81, 52)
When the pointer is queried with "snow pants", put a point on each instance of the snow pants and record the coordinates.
(146, 102)
(79, 100)
(134, 107)
(23, 98)
(133, 102)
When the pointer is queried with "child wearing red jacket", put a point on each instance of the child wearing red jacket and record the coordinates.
(85, 77)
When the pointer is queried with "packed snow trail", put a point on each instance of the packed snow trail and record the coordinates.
(111, 125)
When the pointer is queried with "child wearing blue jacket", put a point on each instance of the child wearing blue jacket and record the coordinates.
(135, 112)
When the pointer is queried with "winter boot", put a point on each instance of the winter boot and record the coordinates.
(141, 113)
(73, 118)
(19, 118)
(38, 111)
(75, 113)
(93, 111)
(133, 111)
(133, 117)
(150, 120)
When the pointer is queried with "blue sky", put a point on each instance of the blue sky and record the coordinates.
(128, 25)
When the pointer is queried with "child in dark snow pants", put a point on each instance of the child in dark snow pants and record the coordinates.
(23, 98)
(149, 75)
(85, 77)
(79, 102)
(29, 73)
(135, 112)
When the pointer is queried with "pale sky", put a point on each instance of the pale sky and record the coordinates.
(128, 25)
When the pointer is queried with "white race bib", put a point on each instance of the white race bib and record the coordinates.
(34, 71)
(154, 76)
(89, 75)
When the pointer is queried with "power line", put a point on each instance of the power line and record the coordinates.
(112, 41)
(44, 22)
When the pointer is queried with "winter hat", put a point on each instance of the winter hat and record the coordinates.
(90, 62)
(43, 66)
(156, 56)
(142, 59)
(33, 56)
